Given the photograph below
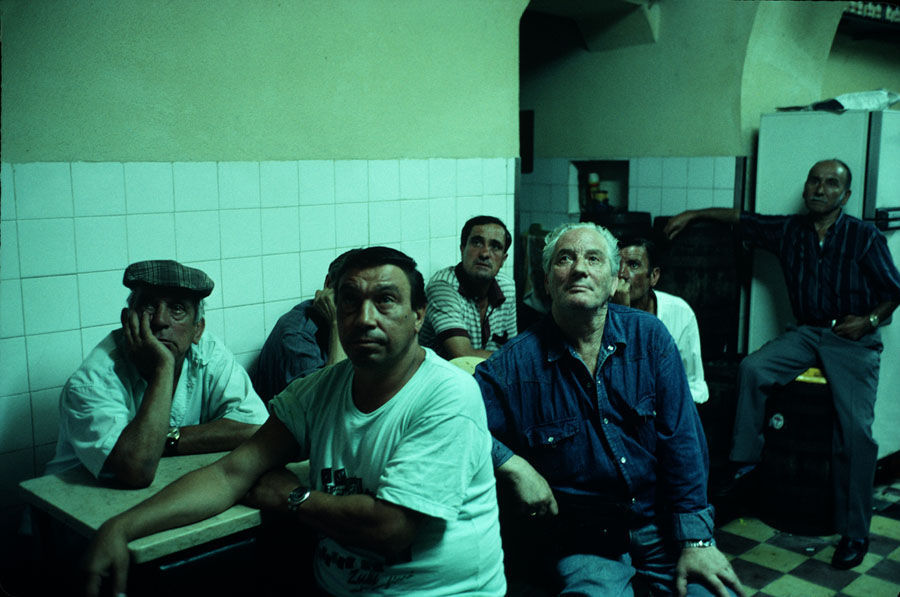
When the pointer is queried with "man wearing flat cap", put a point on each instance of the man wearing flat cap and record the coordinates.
(157, 386)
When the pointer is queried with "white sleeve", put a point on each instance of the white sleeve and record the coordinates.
(228, 392)
(689, 346)
(94, 417)
(431, 469)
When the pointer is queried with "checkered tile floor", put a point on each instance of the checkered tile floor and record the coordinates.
(772, 563)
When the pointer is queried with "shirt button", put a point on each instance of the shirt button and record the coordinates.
(605, 421)
(610, 347)
(622, 460)
(550, 440)
(633, 500)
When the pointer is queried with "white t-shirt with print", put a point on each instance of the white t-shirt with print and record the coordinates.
(427, 449)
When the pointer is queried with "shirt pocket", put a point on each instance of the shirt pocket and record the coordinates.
(557, 448)
(642, 417)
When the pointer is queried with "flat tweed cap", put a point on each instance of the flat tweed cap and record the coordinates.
(165, 273)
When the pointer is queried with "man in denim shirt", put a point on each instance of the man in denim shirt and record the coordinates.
(597, 437)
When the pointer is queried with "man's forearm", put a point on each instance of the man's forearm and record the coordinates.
(474, 352)
(135, 456)
(855, 327)
(215, 436)
(336, 352)
(725, 215)
(513, 468)
(532, 491)
(884, 310)
(196, 496)
(361, 520)
(461, 346)
(213, 488)
(358, 519)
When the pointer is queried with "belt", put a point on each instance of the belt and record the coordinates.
(588, 524)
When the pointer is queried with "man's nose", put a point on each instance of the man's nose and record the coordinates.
(366, 316)
(160, 317)
(579, 264)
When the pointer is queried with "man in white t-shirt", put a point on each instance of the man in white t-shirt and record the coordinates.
(638, 275)
(401, 486)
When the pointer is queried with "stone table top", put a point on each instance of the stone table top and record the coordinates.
(82, 502)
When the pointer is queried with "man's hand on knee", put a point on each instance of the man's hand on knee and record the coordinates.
(709, 566)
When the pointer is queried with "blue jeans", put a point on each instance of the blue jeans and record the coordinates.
(649, 555)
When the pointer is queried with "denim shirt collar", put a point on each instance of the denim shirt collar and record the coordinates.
(613, 337)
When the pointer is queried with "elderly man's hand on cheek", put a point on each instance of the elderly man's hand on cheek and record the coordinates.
(146, 351)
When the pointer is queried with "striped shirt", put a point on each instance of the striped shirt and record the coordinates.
(452, 311)
(849, 274)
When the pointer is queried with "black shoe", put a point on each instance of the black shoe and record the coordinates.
(737, 481)
(849, 553)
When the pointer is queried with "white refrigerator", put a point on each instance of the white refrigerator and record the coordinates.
(789, 144)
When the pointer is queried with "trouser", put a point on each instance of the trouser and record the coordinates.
(851, 368)
(649, 555)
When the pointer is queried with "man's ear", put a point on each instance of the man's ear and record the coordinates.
(846, 196)
(198, 330)
(420, 317)
(654, 276)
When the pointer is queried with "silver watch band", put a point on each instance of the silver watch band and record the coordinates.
(699, 543)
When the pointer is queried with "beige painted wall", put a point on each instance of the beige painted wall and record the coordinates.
(785, 59)
(701, 88)
(131, 80)
(861, 66)
(678, 96)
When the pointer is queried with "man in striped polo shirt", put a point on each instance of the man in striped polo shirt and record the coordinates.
(843, 284)
(471, 306)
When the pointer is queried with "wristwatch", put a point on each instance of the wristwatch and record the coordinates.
(873, 321)
(172, 438)
(297, 496)
(699, 543)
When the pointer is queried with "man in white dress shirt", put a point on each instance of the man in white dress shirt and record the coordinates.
(638, 275)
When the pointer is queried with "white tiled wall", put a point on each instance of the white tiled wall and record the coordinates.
(265, 232)
(668, 186)
(661, 186)
(548, 195)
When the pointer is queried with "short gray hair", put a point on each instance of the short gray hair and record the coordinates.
(199, 306)
(551, 239)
